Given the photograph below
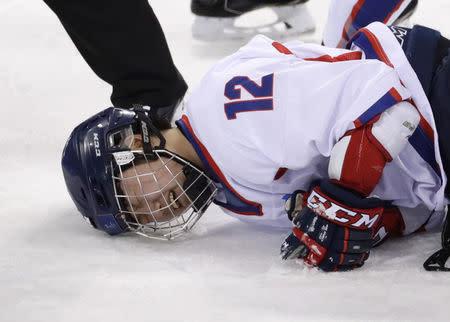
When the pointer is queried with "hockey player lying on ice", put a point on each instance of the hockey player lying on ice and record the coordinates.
(353, 139)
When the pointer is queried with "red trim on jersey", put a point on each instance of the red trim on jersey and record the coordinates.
(280, 173)
(375, 45)
(354, 55)
(426, 126)
(357, 123)
(423, 122)
(281, 48)
(392, 12)
(219, 173)
(395, 94)
(349, 21)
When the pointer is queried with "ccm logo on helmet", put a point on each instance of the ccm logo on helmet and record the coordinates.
(337, 213)
(97, 145)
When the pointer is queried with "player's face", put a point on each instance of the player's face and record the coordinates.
(154, 190)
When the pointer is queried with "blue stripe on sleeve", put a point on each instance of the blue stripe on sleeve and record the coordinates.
(424, 146)
(386, 101)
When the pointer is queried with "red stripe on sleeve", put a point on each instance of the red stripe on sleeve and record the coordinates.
(427, 127)
(280, 173)
(219, 173)
(281, 48)
(357, 123)
(354, 55)
(377, 47)
(395, 94)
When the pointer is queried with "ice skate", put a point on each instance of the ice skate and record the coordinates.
(238, 19)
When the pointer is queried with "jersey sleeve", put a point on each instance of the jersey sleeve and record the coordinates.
(345, 17)
(335, 98)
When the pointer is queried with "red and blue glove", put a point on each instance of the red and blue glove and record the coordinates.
(335, 228)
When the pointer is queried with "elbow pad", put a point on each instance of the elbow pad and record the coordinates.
(357, 160)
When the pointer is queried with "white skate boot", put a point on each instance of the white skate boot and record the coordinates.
(238, 19)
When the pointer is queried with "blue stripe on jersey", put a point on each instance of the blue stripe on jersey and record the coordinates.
(424, 146)
(234, 202)
(370, 11)
(386, 101)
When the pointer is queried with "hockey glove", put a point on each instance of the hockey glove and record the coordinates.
(334, 230)
(295, 203)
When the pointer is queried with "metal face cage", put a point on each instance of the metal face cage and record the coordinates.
(160, 195)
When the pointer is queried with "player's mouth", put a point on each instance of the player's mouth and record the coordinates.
(173, 200)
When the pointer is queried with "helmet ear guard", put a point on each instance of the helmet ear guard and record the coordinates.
(98, 150)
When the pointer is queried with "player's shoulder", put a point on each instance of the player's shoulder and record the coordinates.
(260, 46)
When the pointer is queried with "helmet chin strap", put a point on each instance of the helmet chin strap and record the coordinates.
(147, 130)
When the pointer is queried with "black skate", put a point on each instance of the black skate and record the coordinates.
(216, 19)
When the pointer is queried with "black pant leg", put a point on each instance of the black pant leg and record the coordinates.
(123, 43)
(440, 104)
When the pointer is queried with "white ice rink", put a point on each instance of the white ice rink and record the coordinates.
(54, 267)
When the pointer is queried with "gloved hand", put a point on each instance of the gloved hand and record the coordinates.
(295, 202)
(334, 230)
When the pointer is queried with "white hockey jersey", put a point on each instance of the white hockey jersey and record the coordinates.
(265, 119)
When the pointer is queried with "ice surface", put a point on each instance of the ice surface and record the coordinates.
(53, 267)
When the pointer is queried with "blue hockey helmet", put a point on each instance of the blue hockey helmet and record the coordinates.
(95, 159)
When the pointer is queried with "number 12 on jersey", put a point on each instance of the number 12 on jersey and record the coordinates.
(263, 95)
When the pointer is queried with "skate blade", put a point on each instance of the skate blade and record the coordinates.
(289, 21)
